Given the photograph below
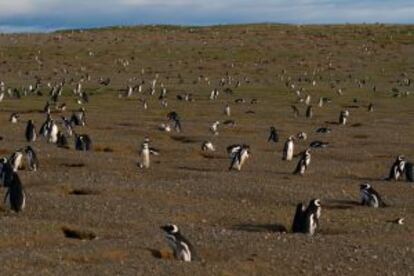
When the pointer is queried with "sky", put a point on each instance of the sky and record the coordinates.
(49, 15)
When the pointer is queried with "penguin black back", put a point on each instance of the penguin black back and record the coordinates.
(15, 196)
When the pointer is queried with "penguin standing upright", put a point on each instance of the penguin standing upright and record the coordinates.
(16, 160)
(83, 142)
(309, 112)
(409, 171)
(52, 133)
(274, 137)
(288, 149)
(62, 141)
(370, 197)
(32, 161)
(30, 132)
(145, 155)
(214, 128)
(227, 110)
(397, 168)
(303, 163)
(15, 196)
(307, 220)
(343, 117)
(182, 248)
(239, 156)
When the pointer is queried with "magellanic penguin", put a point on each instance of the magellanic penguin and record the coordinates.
(307, 220)
(343, 117)
(370, 197)
(409, 171)
(14, 118)
(274, 137)
(183, 250)
(83, 142)
(295, 110)
(302, 136)
(145, 155)
(227, 110)
(239, 155)
(214, 128)
(52, 132)
(303, 162)
(15, 196)
(288, 149)
(397, 169)
(79, 118)
(173, 116)
(309, 112)
(207, 146)
(30, 133)
(32, 161)
(68, 126)
(16, 160)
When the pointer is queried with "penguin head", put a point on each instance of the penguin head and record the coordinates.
(365, 186)
(272, 128)
(400, 157)
(170, 228)
(316, 202)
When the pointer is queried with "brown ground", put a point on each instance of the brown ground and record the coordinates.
(232, 218)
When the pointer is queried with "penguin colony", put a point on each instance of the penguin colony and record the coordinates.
(55, 130)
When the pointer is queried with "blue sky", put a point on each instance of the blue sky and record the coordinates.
(46, 15)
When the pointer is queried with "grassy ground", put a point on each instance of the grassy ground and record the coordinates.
(233, 218)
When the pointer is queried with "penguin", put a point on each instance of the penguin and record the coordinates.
(32, 161)
(303, 163)
(323, 130)
(62, 142)
(227, 110)
(397, 169)
(302, 136)
(239, 157)
(274, 137)
(183, 250)
(46, 109)
(6, 171)
(288, 149)
(45, 128)
(79, 118)
(83, 142)
(16, 160)
(165, 127)
(214, 94)
(309, 112)
(320, 102)
(52, 132)
(307, 99)
(207, 146)
(30, 133)
(173, 116)
(145, 155)
(14, 118)
(343, 117)
(370, 107)
(318, 144)
(214, 128)
(15, 196)
(68, 125)
(306, 220)
(370, 197)
(409, 171)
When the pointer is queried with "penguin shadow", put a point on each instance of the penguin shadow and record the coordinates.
(83, 192)
(185, 139)
(277, 228)
(213, 156)
(186, 168)
(340, 204)
(160, 253)
(71, 233)
(331, 123)
(73, 165)
(357, 125)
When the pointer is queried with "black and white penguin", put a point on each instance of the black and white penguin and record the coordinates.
(370, 107)
(30, 132)
(62, 141)
(303, 162)
(239, 155)
(15, 196)
(214, 94)
(370, 197)
(68, 125)
(14, 118)
(79, 118)
(274, 137)
(318, 144)
(173, 116)
(6, 171)
(227, 110)
(53, 130)
(295, 110)
(288, 149)
(182, 248)
(83, 142)
(397, 168)
(16, 159)
(214, 128)
(343, 117)
(45, 128)
(207, 146)
(309, 112)
(145, 155)
(32, 161)
(302, 136)
(307, 220)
